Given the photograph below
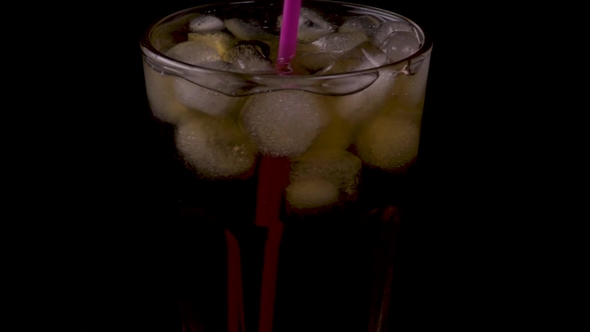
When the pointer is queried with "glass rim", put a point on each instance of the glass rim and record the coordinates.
(179, 68)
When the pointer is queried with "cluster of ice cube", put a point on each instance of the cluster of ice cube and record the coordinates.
(320, 177)
(220, 135)
(385, 41)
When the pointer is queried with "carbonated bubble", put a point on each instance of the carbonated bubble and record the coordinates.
(285, 123)
(388, 142)
(214, 147)
(206, 23)
(400, 45)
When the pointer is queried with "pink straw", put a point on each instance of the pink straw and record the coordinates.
(288, 39)
(273, 177)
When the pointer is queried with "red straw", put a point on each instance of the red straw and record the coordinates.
(288, 39)
(235, 300)
(273, 177)
(384, 261)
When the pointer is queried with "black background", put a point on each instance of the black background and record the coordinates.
(102, 250)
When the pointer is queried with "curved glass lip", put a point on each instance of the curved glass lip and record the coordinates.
(147, 45)
(316, 83)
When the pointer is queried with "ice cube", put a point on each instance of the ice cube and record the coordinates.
(311, 26)
(363, 56)
(360, 106)
(337, 166)
(247, 30)
(206, 100)
(201, 52)
(311, 193)
(338, 42)
(194, 52)
(206, 23)
(364, 23)
(248, 58)
(387, 28)
(388, 142)
(400, 45)
(285, 123)
(221, 41)
(161, 97)
(215, 147)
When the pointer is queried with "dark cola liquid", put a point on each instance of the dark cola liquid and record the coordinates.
(335, 268)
